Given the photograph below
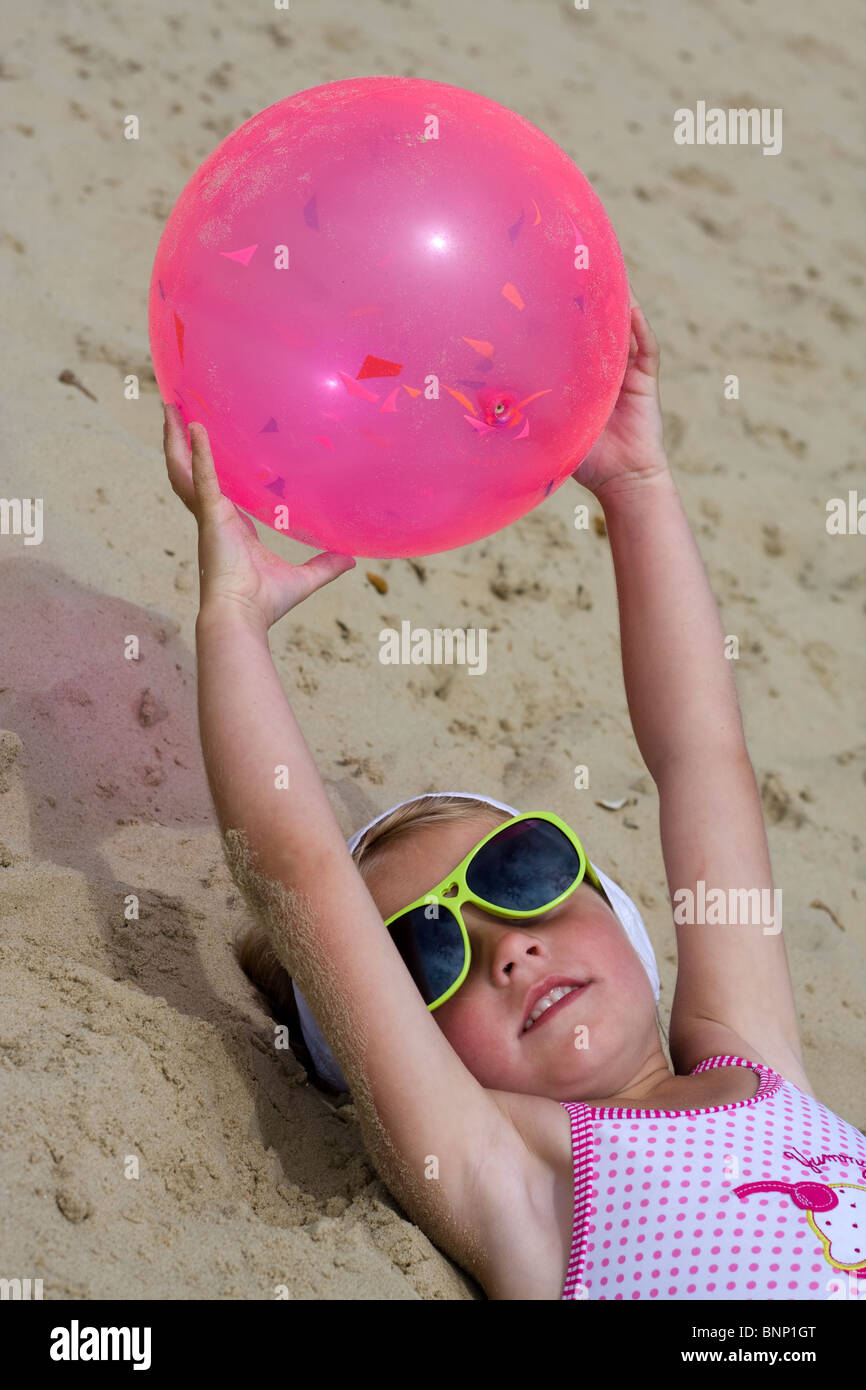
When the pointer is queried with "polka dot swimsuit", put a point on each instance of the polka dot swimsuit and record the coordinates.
(760, 1199)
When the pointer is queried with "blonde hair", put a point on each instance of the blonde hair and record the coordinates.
(256, 955)
(427, 810)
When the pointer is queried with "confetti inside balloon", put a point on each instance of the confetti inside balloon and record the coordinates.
(399, 309)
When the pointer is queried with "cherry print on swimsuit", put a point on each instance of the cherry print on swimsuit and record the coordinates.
(842, 1238)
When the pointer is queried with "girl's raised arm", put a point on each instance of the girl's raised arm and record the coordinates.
(429, 1126)
(733, 982)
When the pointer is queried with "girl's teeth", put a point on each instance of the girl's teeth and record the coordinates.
(547, 1002)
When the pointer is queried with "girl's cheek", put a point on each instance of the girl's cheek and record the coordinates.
(456, 1025)
(466, 1029)
(473, 1035)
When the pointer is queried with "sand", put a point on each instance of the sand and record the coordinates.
(154, 1144)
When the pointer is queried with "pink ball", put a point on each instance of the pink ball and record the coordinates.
(398, 308)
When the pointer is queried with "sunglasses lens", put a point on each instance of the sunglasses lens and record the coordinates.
(432, 947)
(525, 866)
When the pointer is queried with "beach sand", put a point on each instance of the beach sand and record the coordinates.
(140, 1041)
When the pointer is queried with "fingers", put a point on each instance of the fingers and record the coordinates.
(639, 329)
(321, 569)
(207, 489)
(177, 456)
(647, 341)
(648, 350)
(190, 463)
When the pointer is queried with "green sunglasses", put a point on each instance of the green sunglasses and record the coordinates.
(521, 869)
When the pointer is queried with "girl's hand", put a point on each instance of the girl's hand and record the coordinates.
(233, 564)
(631, 446)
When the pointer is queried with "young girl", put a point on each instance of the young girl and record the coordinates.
(490, 996)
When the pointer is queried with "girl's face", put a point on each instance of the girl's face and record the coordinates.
(594, 1043)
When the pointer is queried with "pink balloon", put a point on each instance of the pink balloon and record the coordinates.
(398, 308)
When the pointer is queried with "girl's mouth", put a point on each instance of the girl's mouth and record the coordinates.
(573, 993)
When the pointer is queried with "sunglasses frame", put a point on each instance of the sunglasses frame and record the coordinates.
(464, 894)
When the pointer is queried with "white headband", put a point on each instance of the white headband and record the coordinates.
(324, 1060)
